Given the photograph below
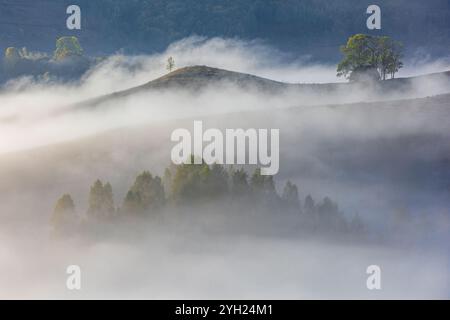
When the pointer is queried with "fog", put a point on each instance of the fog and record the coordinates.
(28, 106)
(164, 267)
(360, 145)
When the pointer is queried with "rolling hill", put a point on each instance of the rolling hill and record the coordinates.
(197, 78)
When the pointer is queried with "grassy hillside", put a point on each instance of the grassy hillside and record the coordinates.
(198, 78)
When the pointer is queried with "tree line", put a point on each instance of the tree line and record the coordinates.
(190, 185)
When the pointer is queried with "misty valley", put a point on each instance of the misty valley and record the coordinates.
(216, 169)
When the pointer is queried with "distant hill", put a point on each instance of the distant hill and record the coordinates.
(196, 78)
(306, 27)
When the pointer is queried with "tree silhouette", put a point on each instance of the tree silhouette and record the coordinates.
(147, 193)
(217, 181)
(290, 196)
(64, 216)
(370, 57)
(170, 64)
(101, 202)
(262, 185)
(67, 47)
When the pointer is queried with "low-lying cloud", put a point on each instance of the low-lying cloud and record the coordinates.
(372, 158)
